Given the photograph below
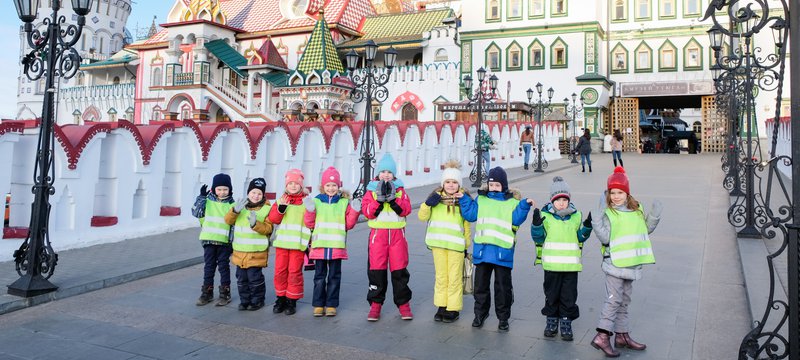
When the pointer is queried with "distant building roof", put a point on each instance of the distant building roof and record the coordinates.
(121, 58)
(391, 29)
(320, 53)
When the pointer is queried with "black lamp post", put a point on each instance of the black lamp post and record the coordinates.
(369, 84)
(479, 97)
(52, 56)
(574, 109)
(543, 108)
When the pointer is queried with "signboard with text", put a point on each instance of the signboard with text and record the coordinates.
(666, 88)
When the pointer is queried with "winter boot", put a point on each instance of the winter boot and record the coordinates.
(291, 307)
(319, 311)
(405, 312)
(590, 168)
(552, 327)
(439, 314)
(526, 167)
(280, 305)
(330, 311)
(615, 162)
(566, 329)
(450, 316)
(224, 295)
(620, 163)
(583, 168)
(374, 312)
(206, 295)
(502, 326)
(602, 342)
(624, 340)
(255, 306)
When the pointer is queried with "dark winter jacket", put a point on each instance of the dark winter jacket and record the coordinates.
(584, 146)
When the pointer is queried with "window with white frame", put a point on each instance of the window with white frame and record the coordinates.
(692, 56)
(514, 8)
(667, 58)
(619, 9)
(493, 58)
(667, 8)
(156, 76)
(494, 9)
(620, 59)
(559, 7)
(536, 55)
(559, 54)
(692, 7)
(537, 8)
(643, 62)
(642, 9)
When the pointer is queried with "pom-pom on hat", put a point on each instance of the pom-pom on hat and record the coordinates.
(221, 180)
(499, 175)
(619, 180)
(294, 175)
(331, 175)
(452, 171)
(558, 189)
(387, 164)
(257, 183)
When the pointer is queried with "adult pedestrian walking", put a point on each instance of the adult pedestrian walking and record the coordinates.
(486, 144)
(616, 148)
(525, 144)
(584, 148)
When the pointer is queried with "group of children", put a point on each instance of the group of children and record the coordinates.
(316, 227)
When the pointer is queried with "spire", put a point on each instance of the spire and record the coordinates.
(320, 53)
(153, 29)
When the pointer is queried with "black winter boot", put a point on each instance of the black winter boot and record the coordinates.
(590, 168)
(583, 168)
(224, 295)
(291, 307)
(439, 313)
(566, 329)
(280, 305)
(552, 327)
(206, 295)
(450, 316)
(620, 163)
(615, 162)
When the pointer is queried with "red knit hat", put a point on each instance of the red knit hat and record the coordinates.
(331, 175)
(619, 180)
(294, 175)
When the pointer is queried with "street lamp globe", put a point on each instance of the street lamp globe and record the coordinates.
(777, 31)
(530, 94)
(27, 10)
(539, 88)
(389, 57)
(715, 37)
(550, 92)
(493, 82)
(467, 83)
(481, 74)
(566, 102)
(574, 96)
(352, 60)
(371, 50)
(81, 7)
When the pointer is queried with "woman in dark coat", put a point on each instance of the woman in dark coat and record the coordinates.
(584, 148)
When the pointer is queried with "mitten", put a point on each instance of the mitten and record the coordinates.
(310, 204)
(356, 205)
(656, 208)
(380, 195)
(237, 208)
(537, 219)
(252, 218)
(588, 222)
(204, 190)
(433, 199)
(390, 193)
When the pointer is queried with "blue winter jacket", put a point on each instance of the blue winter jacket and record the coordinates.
(487, 253)
(537, 231)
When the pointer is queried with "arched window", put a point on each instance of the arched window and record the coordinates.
(619, 59)
(116, 80)
(514, 57)
(81, 78)
(644, 58)
(619, 10)
(493, 57)
(558, 54)
(493, 12)
(441, 55)
(536, 55)
(156, 77)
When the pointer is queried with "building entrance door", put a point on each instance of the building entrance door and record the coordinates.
(409, 112)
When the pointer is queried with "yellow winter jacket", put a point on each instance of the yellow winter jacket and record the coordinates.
(424, 213)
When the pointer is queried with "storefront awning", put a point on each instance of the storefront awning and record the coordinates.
(228, 56)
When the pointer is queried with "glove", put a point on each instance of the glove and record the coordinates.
(379, 191)
(537, 219)
(310, 204)
(282, 208)
(252, 218)
(356, 205)
(656, 208)
(466, 253)
(588, 222)
(204, 190)
(390, 191)
(433, 199)
(239, 206)
(520, 149)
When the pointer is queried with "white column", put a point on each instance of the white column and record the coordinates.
(251, 77)
(266, 97)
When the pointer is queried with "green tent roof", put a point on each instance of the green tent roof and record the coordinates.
(275, 78)
(227, 55)
(398, 28)
(320, 53)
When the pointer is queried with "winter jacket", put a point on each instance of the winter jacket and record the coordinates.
(491, 253)
(350, 220)
(584, 146)
(602, 229)
(243, 259)
(526, 138)
(539, 234)
(387, 247)
(199, 211)
(424, 212)
(616, 145)
(275, 216)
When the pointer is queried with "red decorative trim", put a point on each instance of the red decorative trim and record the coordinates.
(355, 130)
(11, 126)
(426, 169)
(15, 232)
(407, 97)
(270, 196)
(74, 138)
(295, 131)
(380, 129)
(402, 129)
(170, 211)
(147, 136)
(409, 172)
(254, 133)
(103, 221)
(207, 134)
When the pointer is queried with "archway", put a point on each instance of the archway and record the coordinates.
(409, 112)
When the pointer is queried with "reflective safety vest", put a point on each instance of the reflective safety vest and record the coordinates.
(245, 239)
(329, 228)
(446, 229)
(561, 251)
(494, 222)
(387, 219)
(214, 227)
(291, 233)
(630, 244)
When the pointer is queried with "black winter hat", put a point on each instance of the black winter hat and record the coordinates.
(222, 180)
(499, 175)
(257, 183)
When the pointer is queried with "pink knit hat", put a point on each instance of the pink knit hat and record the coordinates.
(331, 175)
(295, 175)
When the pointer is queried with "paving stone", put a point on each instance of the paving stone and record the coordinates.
(219, 352)
(162, 346)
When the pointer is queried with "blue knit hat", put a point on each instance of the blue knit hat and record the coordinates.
(499, 175)
(221, 180)
(387, 164)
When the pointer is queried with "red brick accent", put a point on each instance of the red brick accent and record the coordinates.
(15, 232)
(270, 196)
(102, 221)
(427, 169)
(170, 211)
(409, 172)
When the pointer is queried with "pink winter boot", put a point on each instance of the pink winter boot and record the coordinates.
(405, 312)
(374, 312)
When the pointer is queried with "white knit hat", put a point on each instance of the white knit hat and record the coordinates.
(451, 172)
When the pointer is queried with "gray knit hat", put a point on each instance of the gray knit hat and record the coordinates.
(559, 188)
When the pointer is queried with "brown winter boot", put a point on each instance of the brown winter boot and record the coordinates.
(602, 342)
(224, 295)
(206, 295)
(624, 340)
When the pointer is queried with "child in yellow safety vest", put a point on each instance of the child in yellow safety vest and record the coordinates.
(291, 241)
(622, 227)
(330, 215)
(559, 235)
(448, 237)
(251, 230)
(210, 207)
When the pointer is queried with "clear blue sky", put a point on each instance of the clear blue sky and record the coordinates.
(143, 11)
